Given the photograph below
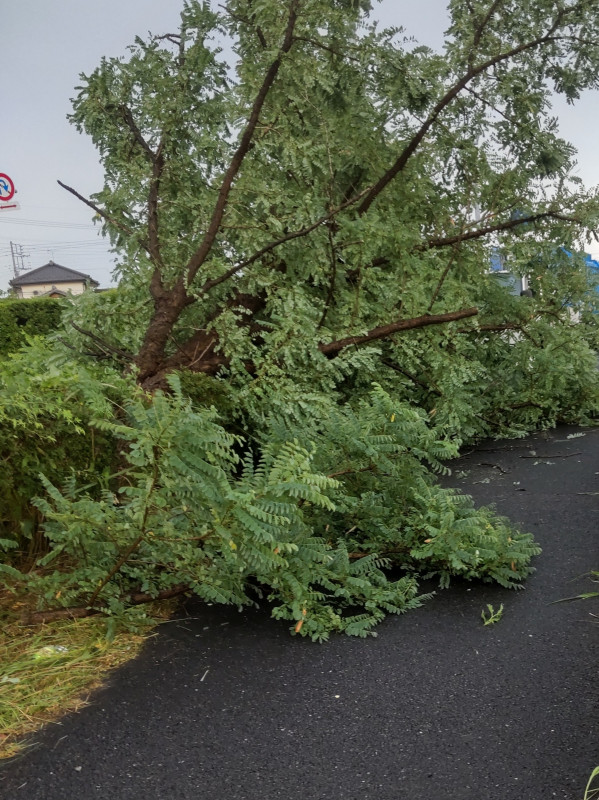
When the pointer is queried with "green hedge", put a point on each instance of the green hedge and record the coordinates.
(35, 317)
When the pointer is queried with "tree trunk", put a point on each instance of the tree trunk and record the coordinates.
(152, 353)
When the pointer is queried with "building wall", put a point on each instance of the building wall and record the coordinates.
(37, 289)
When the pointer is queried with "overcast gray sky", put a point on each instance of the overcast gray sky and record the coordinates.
(46, 45)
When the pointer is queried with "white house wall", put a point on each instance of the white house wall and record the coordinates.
(37, 289)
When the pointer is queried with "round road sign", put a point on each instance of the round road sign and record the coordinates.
(7, 188)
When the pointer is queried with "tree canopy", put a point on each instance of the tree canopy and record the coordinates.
(339, 184)
(306, 325)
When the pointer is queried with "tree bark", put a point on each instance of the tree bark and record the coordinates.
(152, 354)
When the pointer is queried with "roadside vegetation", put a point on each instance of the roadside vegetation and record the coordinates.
(48, 670)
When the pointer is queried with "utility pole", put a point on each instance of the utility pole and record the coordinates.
(18, 258)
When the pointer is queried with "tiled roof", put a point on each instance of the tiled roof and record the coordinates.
(52, 273)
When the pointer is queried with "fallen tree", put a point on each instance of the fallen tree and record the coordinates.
(297, 237)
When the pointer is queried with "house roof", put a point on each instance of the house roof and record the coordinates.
(52, 273)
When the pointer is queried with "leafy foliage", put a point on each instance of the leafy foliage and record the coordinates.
(22, 318)
(305, 304)
(362, 190)
(191, 511)
(46, 404)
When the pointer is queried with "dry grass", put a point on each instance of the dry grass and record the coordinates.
(50, 669)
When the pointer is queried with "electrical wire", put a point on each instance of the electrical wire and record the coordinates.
(40, 223)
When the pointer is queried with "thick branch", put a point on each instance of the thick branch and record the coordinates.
(445, 101)
(377, 262)
(500, 226)
(382, 332)
(153, 240)
(203, 250)
(200, 352)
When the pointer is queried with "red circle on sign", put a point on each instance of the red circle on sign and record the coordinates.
(11, 187)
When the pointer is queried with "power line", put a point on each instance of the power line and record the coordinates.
(58, 246)
(40, 223)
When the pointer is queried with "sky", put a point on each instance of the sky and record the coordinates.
(46, 45)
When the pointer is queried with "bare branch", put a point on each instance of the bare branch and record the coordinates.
(101, 212)
(322, 46)
(382, 332)
(485, 102)
(102, 354)
(175, 38)
(439, 285)
(249, 23)
(103, 344)
(500, 226)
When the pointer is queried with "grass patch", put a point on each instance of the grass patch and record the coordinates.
(48, 670)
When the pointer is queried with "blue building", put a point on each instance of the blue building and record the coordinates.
(499, 266)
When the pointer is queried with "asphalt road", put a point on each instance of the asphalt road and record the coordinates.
(229, 706)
